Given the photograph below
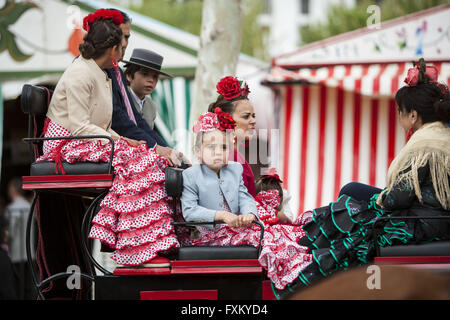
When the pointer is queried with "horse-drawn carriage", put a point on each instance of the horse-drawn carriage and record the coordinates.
(69, 201)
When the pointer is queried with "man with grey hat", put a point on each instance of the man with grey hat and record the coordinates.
(126, 120)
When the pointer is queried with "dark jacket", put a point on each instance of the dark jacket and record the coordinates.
(402, 201)
(122, 124)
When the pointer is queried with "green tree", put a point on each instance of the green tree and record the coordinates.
(252, 33)
(342, 19)
(187, 15)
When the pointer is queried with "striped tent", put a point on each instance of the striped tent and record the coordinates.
(338, 121)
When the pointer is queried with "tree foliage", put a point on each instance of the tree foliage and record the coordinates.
(187, 15)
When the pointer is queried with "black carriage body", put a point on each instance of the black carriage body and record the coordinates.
(181, 287)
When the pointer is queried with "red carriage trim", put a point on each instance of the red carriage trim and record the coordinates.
(179, 295)
(141, 271)
(215, 270)
(67, 181)
(267, 292)
(67, 178)
(216, 266)
(215, 263)
(420, 259)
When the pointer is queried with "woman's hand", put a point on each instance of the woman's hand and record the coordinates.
(184, 159)
(175, 157)
(133, 142)
(169, 154)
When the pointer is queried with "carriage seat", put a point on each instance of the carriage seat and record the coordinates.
(435, 248)
(34, 101)
(174, 189)
(217, 253)
(47, 168)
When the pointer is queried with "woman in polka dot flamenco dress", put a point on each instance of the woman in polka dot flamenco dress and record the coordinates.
(135, 217)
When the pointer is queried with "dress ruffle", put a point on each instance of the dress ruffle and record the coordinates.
(281, 257)
(340, 235)
(137, 255)
(135, 218)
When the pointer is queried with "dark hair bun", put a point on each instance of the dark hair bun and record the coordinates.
(87, 50)
(103, 34)
(211, 107)
(442, 109)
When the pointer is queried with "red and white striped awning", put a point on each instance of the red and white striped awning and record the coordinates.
(379, 79)
(334, 103)
(337, 124)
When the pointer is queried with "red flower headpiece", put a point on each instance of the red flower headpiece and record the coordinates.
(271, 174)
(230, 88)
(225, 119)
(211, 121)
(206, 122)
(421, 73)
(102, 14)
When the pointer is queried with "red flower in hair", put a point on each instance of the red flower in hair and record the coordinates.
(421, 73)
(432, 73)
(206, 122)
(412, 78)
(225, 119)
(88, 20)
(102, 14)
(230, 88)
(245, 89)
(271, 173)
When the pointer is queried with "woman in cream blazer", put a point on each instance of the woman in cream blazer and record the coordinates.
(82, 105)
(82, 101)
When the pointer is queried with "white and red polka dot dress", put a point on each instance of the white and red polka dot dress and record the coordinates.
(135, 218)
(281, 255)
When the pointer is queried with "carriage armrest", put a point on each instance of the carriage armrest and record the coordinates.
(174, 181)
(217, 253)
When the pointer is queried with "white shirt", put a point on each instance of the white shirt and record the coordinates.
(139, 101)
(286, 207)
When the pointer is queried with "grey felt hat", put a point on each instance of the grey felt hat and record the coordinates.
(148, 59)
